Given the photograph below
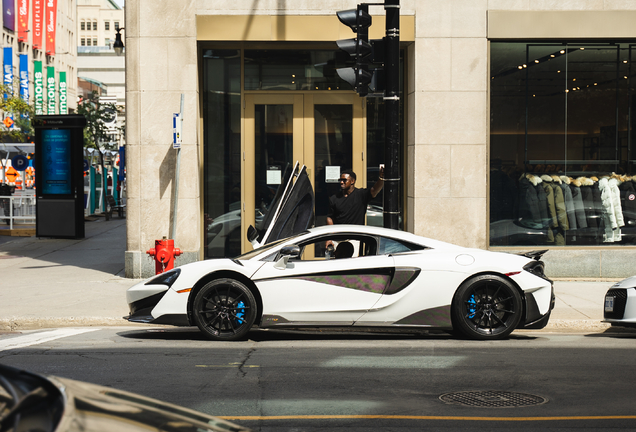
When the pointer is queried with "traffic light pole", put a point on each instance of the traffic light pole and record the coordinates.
(392, 115)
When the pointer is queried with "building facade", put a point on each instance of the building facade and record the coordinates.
(40, 53)
(513, 112)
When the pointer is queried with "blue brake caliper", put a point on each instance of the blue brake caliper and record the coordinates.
(240, 312)
(472, 306)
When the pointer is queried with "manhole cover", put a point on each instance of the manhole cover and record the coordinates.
(492, 399)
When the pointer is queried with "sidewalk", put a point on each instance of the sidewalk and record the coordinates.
(54, 282)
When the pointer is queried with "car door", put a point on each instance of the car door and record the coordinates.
(322, 292)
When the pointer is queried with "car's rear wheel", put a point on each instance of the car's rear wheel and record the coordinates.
(224, 309)
(487, 307)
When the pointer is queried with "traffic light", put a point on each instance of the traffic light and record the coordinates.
(359, 48)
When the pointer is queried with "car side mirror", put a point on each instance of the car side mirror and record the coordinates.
(287, 252)
(293, 251)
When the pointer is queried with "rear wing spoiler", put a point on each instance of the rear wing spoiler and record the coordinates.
(533, 254)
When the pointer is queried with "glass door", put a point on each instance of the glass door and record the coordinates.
(325, 132)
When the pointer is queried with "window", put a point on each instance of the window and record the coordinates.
(82, 25)
(88, 41)
(392, 246)
(106, 25)
(94, 41)
(116, 25)
(83, 42)
(561, 136)
(94, 25)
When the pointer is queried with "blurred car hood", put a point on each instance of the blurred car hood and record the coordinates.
(69, 405)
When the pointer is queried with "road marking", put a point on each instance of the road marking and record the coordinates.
(41, 337)
(229, 365)
(406, 417)
(394, 362)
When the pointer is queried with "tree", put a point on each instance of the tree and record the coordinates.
(21, 113)
(98, 116)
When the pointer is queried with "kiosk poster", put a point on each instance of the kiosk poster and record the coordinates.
(56, 161)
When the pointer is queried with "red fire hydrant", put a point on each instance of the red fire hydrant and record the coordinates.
(164, 253)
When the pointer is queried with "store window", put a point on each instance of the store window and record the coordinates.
(222, 152)
(562, 144)
(276, 69)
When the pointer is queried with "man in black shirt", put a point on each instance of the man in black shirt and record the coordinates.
(349, 206)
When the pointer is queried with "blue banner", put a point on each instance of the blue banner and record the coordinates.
(24, 76)
(8, 68)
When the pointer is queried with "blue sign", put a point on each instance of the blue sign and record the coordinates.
(8, 68)
(19, 162)
(86, 165)
(122, 163)
(56, 161)
(24, 76)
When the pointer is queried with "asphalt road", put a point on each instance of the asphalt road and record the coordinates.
(297, 381)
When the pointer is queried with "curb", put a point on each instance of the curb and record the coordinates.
(18, 323)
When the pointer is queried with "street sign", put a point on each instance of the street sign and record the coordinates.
(8, 122)
(11, 174)
(19, 162)
(177, 127)
(86, 165)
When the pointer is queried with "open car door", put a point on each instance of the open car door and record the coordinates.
(291, 211)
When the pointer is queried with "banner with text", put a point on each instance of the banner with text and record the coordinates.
(38, 87)
(63, 104)
(23, 20)
(8, 69)
(50, 90)
(8, 14)
(38, 23)
(24, 76)
(51, 24)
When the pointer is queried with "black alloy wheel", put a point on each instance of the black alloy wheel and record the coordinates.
(487, 307)
(224, 309)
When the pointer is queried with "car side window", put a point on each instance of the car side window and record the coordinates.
(392, 246)
(314, 250)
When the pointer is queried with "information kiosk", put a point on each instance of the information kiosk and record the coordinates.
(59, 182)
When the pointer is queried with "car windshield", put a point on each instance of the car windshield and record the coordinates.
(267, 247)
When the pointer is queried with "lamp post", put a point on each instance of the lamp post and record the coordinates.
(118, 46)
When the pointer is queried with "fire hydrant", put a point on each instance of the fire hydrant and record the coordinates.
(164, 253)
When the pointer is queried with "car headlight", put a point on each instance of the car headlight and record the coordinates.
(537, 268)
(167, 278)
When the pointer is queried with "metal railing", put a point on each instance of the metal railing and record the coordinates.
(17, 209)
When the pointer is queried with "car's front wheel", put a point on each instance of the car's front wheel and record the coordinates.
(224, 309)
(487, 307)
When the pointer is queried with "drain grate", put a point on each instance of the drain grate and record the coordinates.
(492, 399)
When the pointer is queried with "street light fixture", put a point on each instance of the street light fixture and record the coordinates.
(118, 46)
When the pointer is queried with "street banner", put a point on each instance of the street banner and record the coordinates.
(63, 104)
(23, 20)
(51, 24)
(50, 90)
(38, 23)
(24, 76)
(8, 14)
(8, 69)
(38, 87)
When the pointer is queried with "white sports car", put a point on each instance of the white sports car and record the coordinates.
(620, 303)
(379, 278)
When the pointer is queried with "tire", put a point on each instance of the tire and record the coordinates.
(224, 310)
(487, 307)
